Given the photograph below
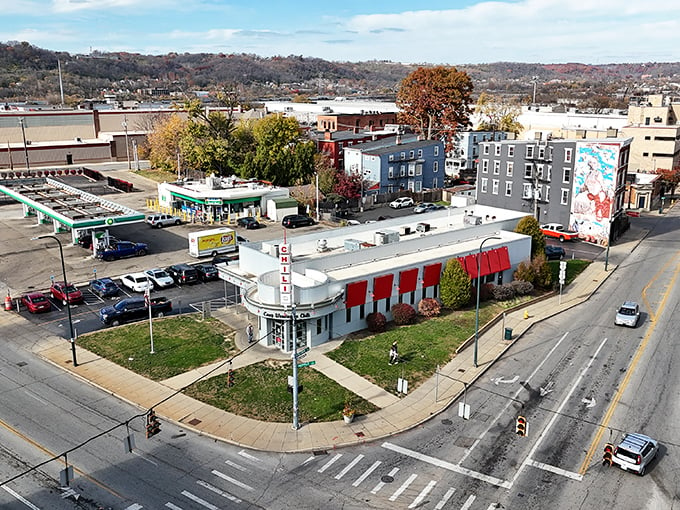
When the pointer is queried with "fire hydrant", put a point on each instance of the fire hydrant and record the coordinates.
(526, 314)
(8, 302)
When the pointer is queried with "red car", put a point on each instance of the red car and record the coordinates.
(36, 302)
(62, 293)
(558, 232)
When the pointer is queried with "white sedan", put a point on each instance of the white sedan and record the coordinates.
(136, 282)
(402, 202)
(159, 278)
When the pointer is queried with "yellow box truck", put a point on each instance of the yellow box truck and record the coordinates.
(211, 242)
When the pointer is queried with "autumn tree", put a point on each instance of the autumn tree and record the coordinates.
(164, 141)
(498, 114)
(455, 286)
(436, 102)
(529, 226)
(670, 178)
(281, 155)
(328, 176)
(348, 185)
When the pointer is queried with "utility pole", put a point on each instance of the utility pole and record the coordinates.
(127, 145)
(23, 135)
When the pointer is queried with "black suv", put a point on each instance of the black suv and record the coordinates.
(554, 252)
(206, 272)
(132, 309)
(182, 273)
(297, 220)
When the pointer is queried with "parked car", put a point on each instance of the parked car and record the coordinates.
(122, 249)
(206, 272)
(628, 314)
(182, 273)
(427, 207)
(136, 282)
(162, 220)
(554, 252)
(221, 259)
(248, 223)
(104, 287)
(558, 231)
(297, 220)
(635, 452)
(63, 293)
(160, 278)
(135, 308)
(402, 202)
(36, 302)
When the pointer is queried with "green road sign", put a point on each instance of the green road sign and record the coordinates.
(306, 364)
(302, 351)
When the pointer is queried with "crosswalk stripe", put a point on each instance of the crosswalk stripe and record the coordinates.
(381, 484)
(366, 473)
(232, 480)
(246, 455)
(198, 500)
(328, 464)
(235, 466)
(217, 491)
(309, 459)
(349, 466)
(422, 494)
(403, 487)
(445, 499)
(468, 502)
(173, 507)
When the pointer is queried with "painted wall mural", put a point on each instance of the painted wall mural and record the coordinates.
(594, 185)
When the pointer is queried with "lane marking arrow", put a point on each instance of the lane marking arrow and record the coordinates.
(500, 380)
(589, 402)
(547, 389)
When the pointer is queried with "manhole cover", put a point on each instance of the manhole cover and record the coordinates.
(447, 422)
(316, 453)
(359, 434)
(387, 479)
(22, 364)
(195, 421)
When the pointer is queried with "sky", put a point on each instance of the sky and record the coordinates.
(453, 32)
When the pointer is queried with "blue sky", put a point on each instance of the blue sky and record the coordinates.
(429, 31)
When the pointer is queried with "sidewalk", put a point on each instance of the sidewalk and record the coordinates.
(395, 414)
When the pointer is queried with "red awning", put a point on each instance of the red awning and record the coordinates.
(432, 274)
(382, 286)
(356, 293)
(408, 280)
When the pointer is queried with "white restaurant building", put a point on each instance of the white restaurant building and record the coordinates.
(339, 276)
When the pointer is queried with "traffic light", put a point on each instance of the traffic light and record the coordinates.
(521, 426)
(230, 378)
(607, 456)
(153, 425)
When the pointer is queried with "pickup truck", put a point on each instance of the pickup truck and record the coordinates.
(121, 249)
(132, 309)
(558, 231)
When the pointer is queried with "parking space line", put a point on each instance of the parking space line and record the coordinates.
(558, 412)
(495, 421)
(20, 498)
(448, 465)
(556, 470)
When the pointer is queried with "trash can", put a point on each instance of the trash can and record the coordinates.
(508, 333)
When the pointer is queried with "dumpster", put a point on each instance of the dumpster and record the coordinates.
(508, 333)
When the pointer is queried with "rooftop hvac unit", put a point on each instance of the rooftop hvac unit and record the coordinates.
(352, 244)
(423, 227)
(386, 237)
(321, 245)
(472, 220)
(274, 250)
(404, 231)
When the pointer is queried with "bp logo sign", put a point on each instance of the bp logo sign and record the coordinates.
(109, 221)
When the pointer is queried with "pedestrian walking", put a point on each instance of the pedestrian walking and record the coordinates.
(394, 354)
(249, 333)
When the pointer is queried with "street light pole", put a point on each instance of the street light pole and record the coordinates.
(317, 196)
(68, 304)
(479, 281)
(127, 145)
(23, 136)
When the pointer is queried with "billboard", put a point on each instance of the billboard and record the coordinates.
(594, 187)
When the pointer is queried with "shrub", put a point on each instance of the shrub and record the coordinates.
(429, 307)
(403, 313)
(526, 272)
(486, 291)
(543, 272)
(376, 322)
(529, 226)
(503, 292)
(521, 287)
(455, 285)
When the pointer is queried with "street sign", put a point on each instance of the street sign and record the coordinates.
(303, 355)
(302, 351)
(306, 364)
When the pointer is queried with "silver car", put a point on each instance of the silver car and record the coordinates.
(635, 452)
(628, 314)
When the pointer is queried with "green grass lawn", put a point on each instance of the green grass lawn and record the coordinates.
(260, 392)
(574, 268)
(180, 344)
(157, 175)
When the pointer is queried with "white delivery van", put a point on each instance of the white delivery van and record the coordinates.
(211, 242)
